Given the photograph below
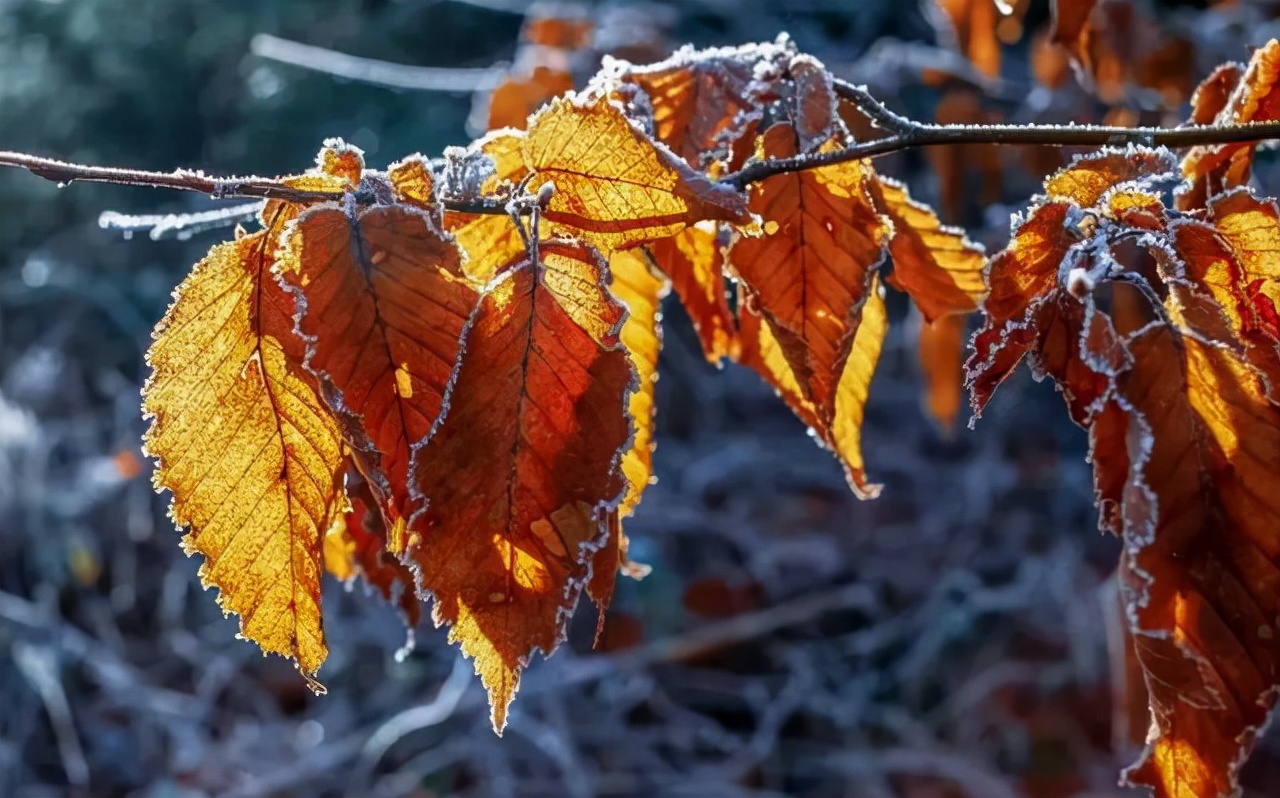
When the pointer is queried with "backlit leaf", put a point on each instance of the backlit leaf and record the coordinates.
(694, 260)
(523, 475)
(941, 353)
(243, 442)
(491, 240)
(937, 266)
(637, 287)
(700, 100)
(356, 547)
(383, 305)
(821, 224)
(1255, 97)
(614, 186)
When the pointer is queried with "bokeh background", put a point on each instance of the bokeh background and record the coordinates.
(948, 639)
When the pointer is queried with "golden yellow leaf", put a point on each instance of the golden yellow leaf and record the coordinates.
(250, 453)
(637, 287)
(936, 265)
(614, 186)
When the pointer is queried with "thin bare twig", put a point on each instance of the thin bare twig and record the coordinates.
(375, 71)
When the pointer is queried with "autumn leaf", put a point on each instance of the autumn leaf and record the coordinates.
(491, 240)
(841, 432)
(936, 265)
(822, 224)
(941, 351)
(1164, 365)
(523, 475)
(244, 444)
(701, 103)
(641, 291)
(516, 98)
(694, 260)
(1255, 97)
(614, 186)
(382, 303)
(974, 23)
(355, 547)
(1203, 574)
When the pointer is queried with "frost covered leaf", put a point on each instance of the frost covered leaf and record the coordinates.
(383, 304)
(251, 455)
(937, 266)
(694, 260)
(491, 240)
(702, 101)
(807, 275)
(1158, 329)
(841, 432)
(614, 186)
(355, 547)
(523, 475)
(1202, 512)
(1255, 97)
(641, 291)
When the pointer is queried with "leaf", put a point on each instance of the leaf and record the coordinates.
(1071, 29)
(523, 475)
(937, 266)
(490, 240)
(513, 100)
(941, 350)
(614, 186)
(701, 100)
(356, 547)
(244, 444)
(1255, 97)
(821, 224)
(1149, 322)
(1201, 512)
(842, 432)
(694, 260)
(382, 303)
(641, 291)
(974, 23)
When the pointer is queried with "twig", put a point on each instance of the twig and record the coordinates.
(375, 71)
(908, 134)
(64, 173)
(178, 225)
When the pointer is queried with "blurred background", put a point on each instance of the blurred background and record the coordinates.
(948, 639)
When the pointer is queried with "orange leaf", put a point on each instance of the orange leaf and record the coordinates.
(941, 354)
(842, 431)
(1255, 97)
(383, 305)
(974, 23)
(614, 186)
(523, 474)
(251, 455)
(821, 224)
(937, 266)
(1203, 578)
(356, 546)
(694, 260)
(637, 287)
(700, 101)
(491, 240)
(511, 103)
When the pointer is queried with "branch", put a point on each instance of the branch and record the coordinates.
(904, 134)
(64, 173)
(375, 71)
(908, 134)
